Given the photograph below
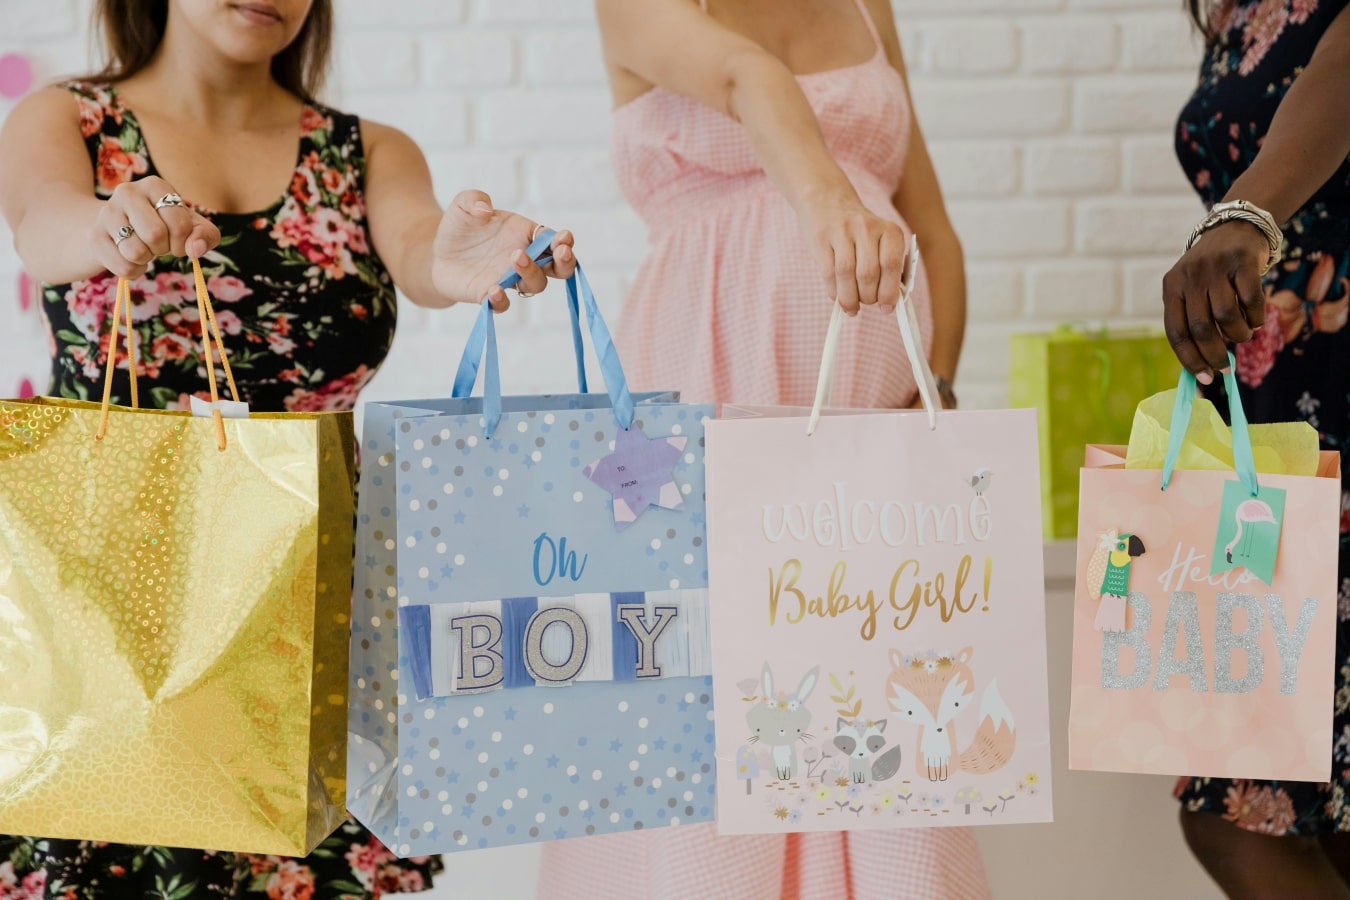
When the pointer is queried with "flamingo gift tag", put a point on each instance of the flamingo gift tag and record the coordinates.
(1249, 531)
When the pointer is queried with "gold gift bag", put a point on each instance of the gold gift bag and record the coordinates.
(174, 596)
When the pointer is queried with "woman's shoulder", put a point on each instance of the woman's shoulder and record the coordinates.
(325, 124)
(49, 110)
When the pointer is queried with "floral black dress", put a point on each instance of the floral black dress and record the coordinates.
(307, 311)
(1297, 367)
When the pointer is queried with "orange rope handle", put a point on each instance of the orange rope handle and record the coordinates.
(206, 314)
(204, 296)
(123, 289)
(131, 347)
(121, 308)
(203, 303)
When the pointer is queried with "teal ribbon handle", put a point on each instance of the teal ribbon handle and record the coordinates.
(1244, 463)
(481, 347)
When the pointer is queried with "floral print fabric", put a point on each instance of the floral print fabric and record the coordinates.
(351, 865)
(1297, 367)
(306, 306)
(307, 311)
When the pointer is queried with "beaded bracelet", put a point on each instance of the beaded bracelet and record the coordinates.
(1241, 210)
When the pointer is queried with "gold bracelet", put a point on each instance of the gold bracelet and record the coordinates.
(1242, 211)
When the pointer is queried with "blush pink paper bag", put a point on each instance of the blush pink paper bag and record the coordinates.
(877, 607)
(1215, 675)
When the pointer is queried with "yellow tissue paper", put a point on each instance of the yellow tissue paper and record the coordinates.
(1288, 448)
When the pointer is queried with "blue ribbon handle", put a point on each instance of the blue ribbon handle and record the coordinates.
(482, 345)
(1243, 460)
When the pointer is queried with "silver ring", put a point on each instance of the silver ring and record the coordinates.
(535, 233)
(525, 294)
(168, 200)
(123, 233)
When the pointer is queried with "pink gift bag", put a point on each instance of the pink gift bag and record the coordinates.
(1191, 656)
(876, 599)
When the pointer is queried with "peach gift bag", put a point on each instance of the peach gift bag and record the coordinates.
(1205, 600)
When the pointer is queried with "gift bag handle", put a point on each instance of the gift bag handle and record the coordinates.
(482, 346)
(206, 314)
(909, 332)
(1243, 461)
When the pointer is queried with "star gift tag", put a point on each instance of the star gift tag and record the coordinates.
(640, 472)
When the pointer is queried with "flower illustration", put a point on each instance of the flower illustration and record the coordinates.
(336, 395)
(823, 794)
(291, 881)
(1032, 779)
(1256, 357)
(1263, 809)
(116, 165)
(1267, 24)
(886, 801)
(795, 816)
(1307, 406)
(780, 812)
(841, 781)
(1300, 10)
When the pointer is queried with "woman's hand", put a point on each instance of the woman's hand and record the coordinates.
(1213, 296)
(861, 256)
(476, 244)
(172, 230)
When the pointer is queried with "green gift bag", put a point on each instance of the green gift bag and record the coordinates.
(1086, 385)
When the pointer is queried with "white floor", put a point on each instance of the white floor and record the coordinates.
(1114, 837)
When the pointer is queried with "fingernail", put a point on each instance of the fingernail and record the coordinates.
(520, 258)
(1205, 378)
(1225, 370)
(482, 207)
(564, 253)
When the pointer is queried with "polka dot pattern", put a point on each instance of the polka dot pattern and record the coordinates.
(516, 517)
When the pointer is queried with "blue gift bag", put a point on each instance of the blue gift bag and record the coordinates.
(530, 653)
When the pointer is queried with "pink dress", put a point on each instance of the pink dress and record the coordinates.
(730, 307)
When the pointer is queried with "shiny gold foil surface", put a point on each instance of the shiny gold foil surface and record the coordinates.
(173, 626)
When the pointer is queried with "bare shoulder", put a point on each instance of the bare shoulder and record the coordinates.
(387, 141)
(641, 29)
(883, 16)
(50, 112)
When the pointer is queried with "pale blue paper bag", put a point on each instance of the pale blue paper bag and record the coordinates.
(530, 657)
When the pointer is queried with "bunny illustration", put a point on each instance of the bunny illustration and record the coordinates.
(780, 721)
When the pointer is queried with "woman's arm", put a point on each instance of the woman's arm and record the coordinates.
(62, 231)
(1214, 293)
(439, 257)
(673, 44)
(919, 200)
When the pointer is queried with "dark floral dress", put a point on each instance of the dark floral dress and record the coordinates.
(307, 310)
(1297, 367)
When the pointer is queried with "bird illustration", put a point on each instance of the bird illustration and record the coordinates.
(980, 481)
(1108, 574)
(1249, 512)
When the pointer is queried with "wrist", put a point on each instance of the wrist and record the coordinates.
(826, 196)
(945, 391)
(1257, 218)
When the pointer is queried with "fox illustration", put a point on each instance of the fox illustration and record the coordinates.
(931, 691)
(861, 742)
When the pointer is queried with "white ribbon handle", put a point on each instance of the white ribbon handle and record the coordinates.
(909, 332)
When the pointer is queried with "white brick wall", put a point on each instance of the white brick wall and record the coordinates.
(1049, 121)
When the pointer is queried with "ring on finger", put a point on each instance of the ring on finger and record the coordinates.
(170, 199)
(523, 294)
(122, 234)
(538, 228)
